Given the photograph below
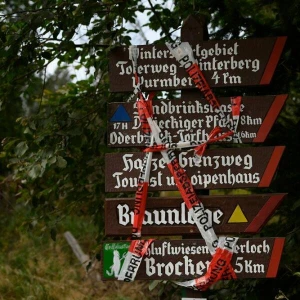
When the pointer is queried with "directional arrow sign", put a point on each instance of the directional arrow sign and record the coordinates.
(224, 63)
(193, 120)
(228, 214)
(187, 259)
(219, 168)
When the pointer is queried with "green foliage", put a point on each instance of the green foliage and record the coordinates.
(53, 128)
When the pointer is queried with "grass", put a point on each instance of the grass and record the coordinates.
(33, 266)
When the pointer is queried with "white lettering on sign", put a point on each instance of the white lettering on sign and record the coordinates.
(226, 161)
(197, 179)
(173, 81)
(221, 59)
(247, 266)
(178, 216)
(120, 138)
(157, 264)
(178, 123)
(167, 248)
(130, 164)
(247, 248)
(215, 162)
(192, 107)
(247, 120)
(147, 69)
(185, 267)
(243, 162)
(216, 50)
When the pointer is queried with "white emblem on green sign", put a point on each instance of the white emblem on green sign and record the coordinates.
(113, 258)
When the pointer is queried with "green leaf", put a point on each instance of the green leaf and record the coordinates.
(56, 33)
(61, 162)
(46, 55)
(32, 125)
(35, 171)
(44, 163)
(51, 160)
(21, 149)
(27, 131)
(8, 144)
(295, 205)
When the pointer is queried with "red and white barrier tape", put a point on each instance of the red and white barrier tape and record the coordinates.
(133, 259)
(144, 177)
(139, 247)
(219, 265)
(236, 111)
(215, 135)
(184, 185)
(141, 196)
(183, 53)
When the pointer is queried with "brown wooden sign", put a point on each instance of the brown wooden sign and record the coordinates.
(231, 63)
(193, 120)
(188, 259)
(169, 216)
(223, 63)
(218, 168)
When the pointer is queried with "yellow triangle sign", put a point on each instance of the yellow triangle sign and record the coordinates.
(237, 216)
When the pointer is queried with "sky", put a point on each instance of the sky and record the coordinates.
(136, 38)
(142, 18)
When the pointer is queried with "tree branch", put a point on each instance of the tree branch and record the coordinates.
(165, 31)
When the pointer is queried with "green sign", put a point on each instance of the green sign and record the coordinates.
(114, 254)
(188, 259)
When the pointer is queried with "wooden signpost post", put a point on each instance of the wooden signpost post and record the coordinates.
(191, 119)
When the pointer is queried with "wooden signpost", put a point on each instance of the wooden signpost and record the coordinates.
(219, 168)
(224, 64)
(228, 214)
(187, 259)
(193, 119)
